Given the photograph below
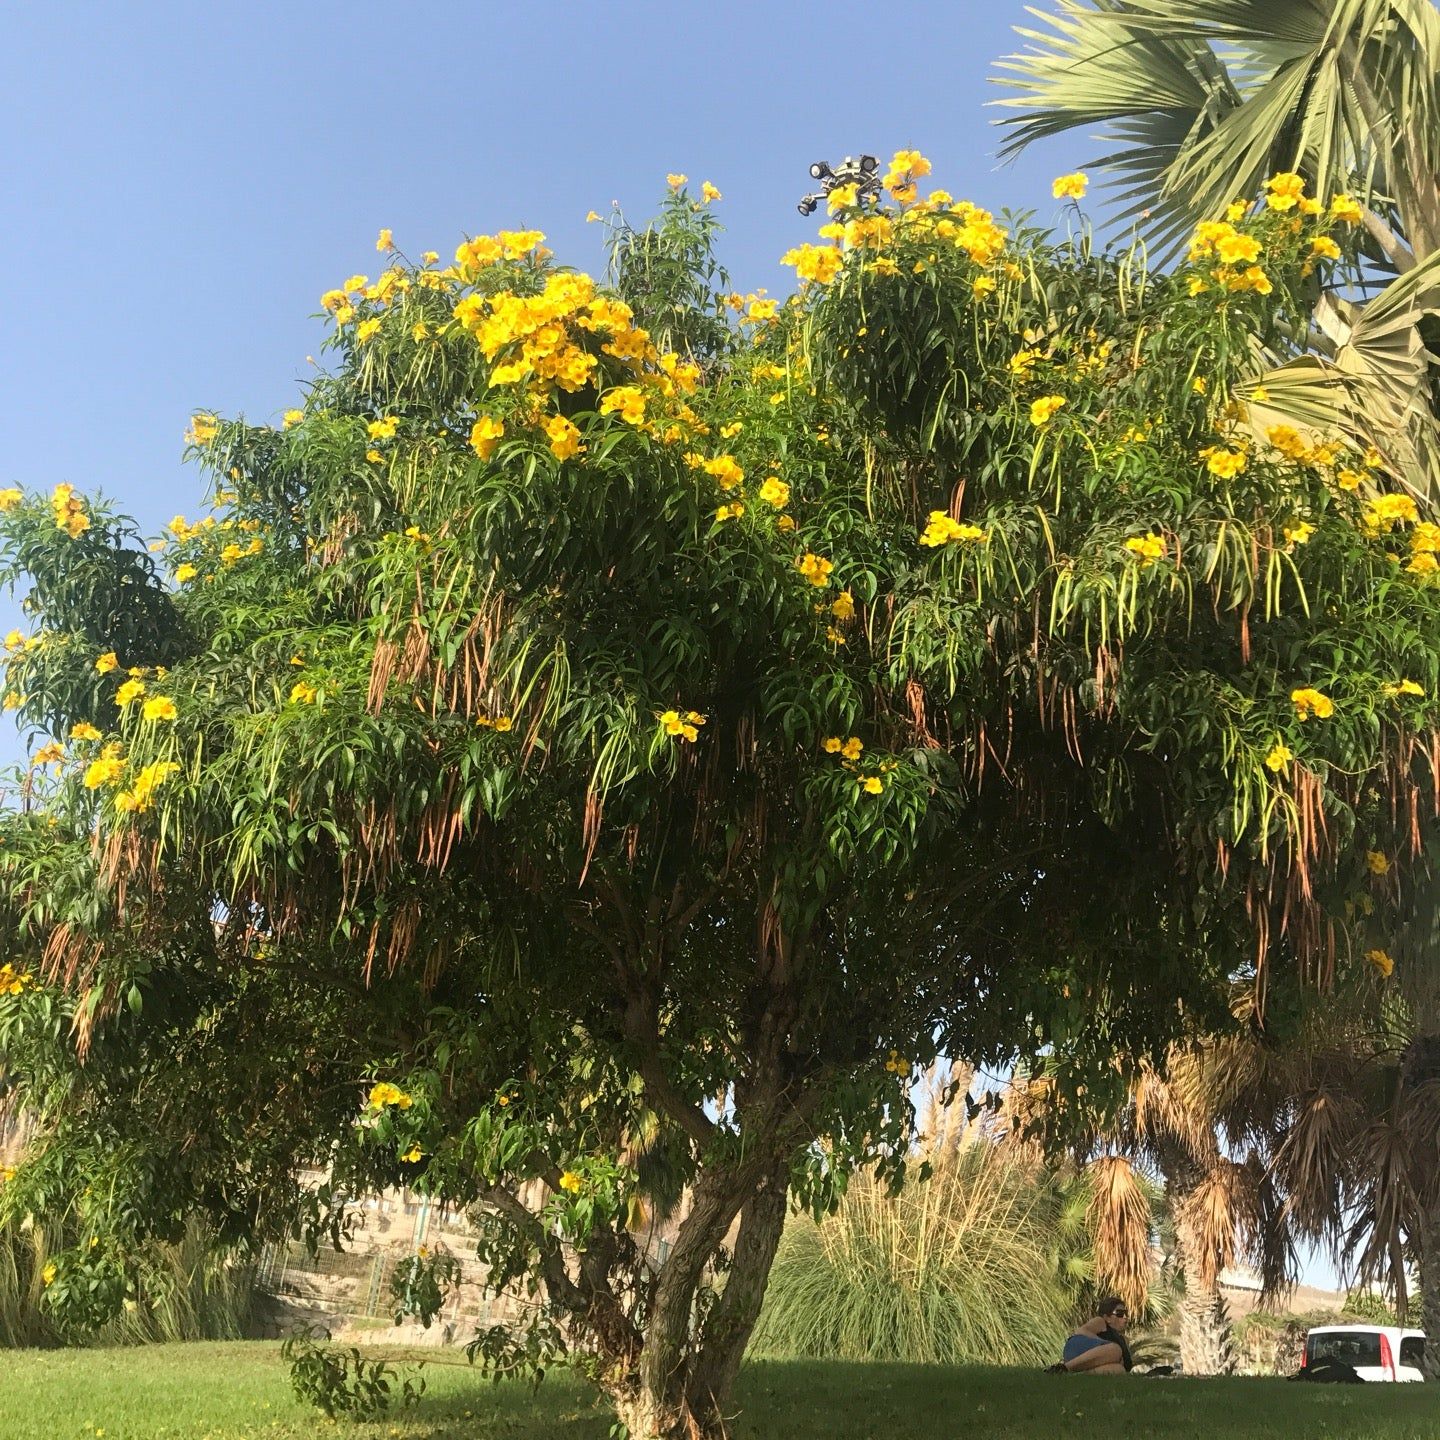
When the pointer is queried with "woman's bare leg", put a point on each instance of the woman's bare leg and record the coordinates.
(1105, 1359)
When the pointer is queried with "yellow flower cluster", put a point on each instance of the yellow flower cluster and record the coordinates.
(1043, 410)
(303, 693)
(500, 723)
(965, 226)
(906, 167)
(564, 437)
(1279, 757)
(141, 795)
(1424, 549)
(1070, 187)
(539, 344)
(1225, 462)
(570, 1182)
(1404, 687)
(84, 730)
(817, 263)
(1286, 191)
(181, 528)
(106, 769)
(485, 434)
(385, 1094)
(1309, 702)
(1381, 962)
(1146, 548)
(940, 529)
(203, 429)
(13, 982)
(815, 568)
(50, 754)
(1385, 512)
(1377, 862)
(861, 232)
(69, 511)
(229, 554)
(849, 752)
(774, 491)
(1220, 241)
(897, 1064)
(682, 725)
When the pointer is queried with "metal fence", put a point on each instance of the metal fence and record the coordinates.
(356, 1285)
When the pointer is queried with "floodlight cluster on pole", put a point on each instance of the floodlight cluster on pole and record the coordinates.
(863, 174)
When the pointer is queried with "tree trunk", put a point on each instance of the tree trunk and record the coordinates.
(653, 1398)
(729, 1325)
(1207, 1346)
(1430, 1291)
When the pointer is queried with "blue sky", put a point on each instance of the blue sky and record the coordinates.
(191, 178)
(183, 181)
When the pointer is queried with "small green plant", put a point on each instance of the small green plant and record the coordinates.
(344, 1382)
(419, 1284)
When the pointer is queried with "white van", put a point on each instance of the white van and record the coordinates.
(1375, 1352)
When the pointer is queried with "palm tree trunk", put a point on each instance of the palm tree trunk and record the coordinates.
(1207, 1343)
(1430, 1291)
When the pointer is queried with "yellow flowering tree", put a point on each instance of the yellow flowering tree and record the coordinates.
(616, 730)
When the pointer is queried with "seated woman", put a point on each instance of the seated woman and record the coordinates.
(1098, 1347)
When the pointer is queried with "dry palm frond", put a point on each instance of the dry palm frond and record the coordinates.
(1311, 1161)
(1222, 1207)
(1165, 1113)
(1120, 1222)
(1386, 1189)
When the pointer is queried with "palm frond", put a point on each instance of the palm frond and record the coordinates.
(1120, 1221)
(1153, 94)
(1312, 1160)
(1222, 1209)
(1229, 92)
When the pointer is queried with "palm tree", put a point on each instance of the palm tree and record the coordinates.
(1219, 1207)
(1204, 99)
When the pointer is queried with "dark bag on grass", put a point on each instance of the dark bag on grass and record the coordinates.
(1329, 1372)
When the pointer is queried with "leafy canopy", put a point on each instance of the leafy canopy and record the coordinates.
(564, 768)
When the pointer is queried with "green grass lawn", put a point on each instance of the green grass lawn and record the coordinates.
(227, 1391)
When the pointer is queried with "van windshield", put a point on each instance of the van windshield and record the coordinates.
(1349, 1347)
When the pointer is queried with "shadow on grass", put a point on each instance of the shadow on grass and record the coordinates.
(833, 1401)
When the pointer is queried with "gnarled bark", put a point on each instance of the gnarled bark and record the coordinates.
(1207, 1344)
(729, 1325)
(676, 1390)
